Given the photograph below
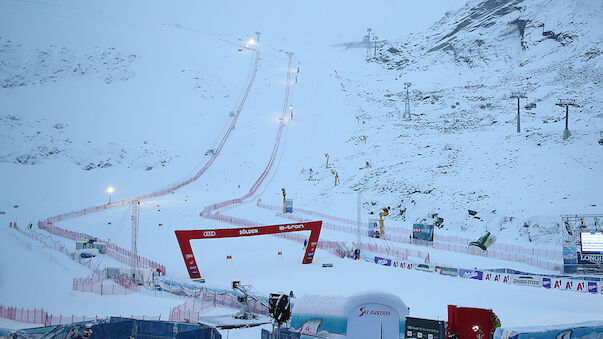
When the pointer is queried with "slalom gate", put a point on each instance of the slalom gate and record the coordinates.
(184, 238)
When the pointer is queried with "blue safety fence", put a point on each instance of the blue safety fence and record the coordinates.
(150, 329)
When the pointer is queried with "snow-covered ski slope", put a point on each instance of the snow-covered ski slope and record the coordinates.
(134, 95)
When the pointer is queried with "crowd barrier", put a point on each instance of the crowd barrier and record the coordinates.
(41, 317)
(118, 253)
(541, 258)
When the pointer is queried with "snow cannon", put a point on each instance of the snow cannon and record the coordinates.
(483, 242)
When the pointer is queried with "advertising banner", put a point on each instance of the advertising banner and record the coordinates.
(591, 287)
(570, 259)
(471, 274)
(383, 261)
(453, 272)
(497, 277)
(407, 265)
(422, 232)
(574, 285)
(557, 283)
(589, 259)
(288, 206)
(527, 280)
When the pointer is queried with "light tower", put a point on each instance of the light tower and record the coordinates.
(566, 103)
(110, 190)
(134, 259)
(407, 102)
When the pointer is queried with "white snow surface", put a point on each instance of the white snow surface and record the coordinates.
(132, 95)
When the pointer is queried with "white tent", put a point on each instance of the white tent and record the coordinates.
(367, 315)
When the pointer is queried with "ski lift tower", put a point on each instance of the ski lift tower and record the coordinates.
(518, 95)
(135, 215)
(566, 103)
(407, 102)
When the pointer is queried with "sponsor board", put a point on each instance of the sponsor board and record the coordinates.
(574, 285)
(471, 274)
(424, 267)
(556, 283)
(589, 259)
(422, 232)
(527, 280)
(591, 287)
(453, 272)
(497, 277)
(383, 261)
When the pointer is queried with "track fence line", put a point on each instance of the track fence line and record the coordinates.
(541, 258)
(118, 253)
(97, 286)
(177, 185)
(256, 185)
(41, 317)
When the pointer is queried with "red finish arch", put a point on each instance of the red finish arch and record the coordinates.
(184, 238)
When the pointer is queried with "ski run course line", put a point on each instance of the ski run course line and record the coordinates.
(175, 186)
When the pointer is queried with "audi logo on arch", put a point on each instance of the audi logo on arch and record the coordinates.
(209, 234)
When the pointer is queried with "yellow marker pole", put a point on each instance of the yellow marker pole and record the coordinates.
(284, 200)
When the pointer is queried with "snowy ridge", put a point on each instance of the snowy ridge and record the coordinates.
(460, 150)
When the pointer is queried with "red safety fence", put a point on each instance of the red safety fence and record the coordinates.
(39, 316)
(542, 252)
(46, 241)
(118, 253)
(98, 286)
(541, 258)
